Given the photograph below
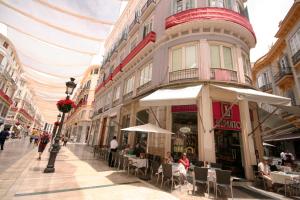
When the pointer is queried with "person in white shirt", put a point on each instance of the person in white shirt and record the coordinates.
(264, 170)
(113, 148)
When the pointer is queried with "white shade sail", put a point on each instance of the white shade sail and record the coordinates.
(55, 40)
(176, 96)
(149, 128)
(255, 95)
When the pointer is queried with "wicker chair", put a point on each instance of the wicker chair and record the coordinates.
(154, 170)
(201, 174)
(167, 176)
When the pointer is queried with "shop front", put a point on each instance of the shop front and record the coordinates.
(227, 135)
(184, 125)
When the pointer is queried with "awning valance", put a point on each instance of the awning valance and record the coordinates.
(255, 95)
(176, 96)
(149, 128)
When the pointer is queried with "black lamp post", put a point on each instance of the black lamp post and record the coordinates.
(56, 124)
(70, 86)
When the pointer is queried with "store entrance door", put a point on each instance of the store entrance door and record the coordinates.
(228, 151)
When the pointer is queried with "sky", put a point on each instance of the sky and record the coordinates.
(265, 16)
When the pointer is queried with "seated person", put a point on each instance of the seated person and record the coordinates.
(185, 161)
(264, 170)
(137, 150)
(169, 159)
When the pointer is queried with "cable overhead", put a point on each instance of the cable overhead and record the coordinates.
(51, 25)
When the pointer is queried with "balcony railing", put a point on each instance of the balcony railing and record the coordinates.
(191, 73)
(142, 87)
(282, 73)
(296, 57)
(266, 87)
(128, 95)
(223, 75)
(248, 80)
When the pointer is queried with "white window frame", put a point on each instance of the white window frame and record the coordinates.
(129, 85)
(184, 5)
(246, 64)
(294, 42)
(117, 91)
(146, 74)
(263, 79)
(148, 27)
(183, 56)
(222, 60)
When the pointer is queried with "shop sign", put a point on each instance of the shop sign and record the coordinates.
(184, 108)
(185, 129)
(230, 117)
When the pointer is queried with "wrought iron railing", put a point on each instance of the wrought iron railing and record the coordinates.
(266, 87)
(283, 72)
(191, 73)
(223, 74)
(144, 86)
(128, 95)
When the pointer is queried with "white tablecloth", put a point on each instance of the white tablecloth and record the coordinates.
(283, 178)
(177, 168)
(138, 162)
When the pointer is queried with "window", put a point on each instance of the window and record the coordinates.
(184, 57)
(82, 114)
(246, 64)
(117, 93)
(108, 98)
(147, 28)
(283, 62)
(96, 71)
(88, 84)
(216, 3)
(5, 45)
(221, 57)
(295, 42)
(146, 74)
(263, 79)
(129, 84)
(181, 5)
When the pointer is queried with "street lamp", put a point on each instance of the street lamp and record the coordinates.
(70, 86)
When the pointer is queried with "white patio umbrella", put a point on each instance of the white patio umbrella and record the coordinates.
(148, 128)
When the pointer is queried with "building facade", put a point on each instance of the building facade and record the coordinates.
(78, 123)
(181, 65)
(17, 107)
(278, 72)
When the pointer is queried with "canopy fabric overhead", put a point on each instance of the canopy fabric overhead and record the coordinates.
(294, 110)
(56, 40)
(255, 95)
(289, 136)
(149, 128)
(176, 96)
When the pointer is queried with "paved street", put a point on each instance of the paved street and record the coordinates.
(78, 176)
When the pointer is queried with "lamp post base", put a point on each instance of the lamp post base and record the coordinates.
(53, 153)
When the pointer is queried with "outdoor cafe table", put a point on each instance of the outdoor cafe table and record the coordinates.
(283, 178)
(138, 162)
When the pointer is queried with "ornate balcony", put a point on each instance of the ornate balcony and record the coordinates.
(147, 8)
(191, 73)
(128, 96)
(266, 87)
(208, 13)
(219, 74)
(296, 57)
(142, 87)
(284, 76)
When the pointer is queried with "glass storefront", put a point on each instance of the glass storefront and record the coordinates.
(184, 126)
(142, 137)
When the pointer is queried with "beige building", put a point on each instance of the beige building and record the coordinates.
(78, 123)
(278, 72)
(182, 65)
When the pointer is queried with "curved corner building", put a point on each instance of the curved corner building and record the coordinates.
(182, 65)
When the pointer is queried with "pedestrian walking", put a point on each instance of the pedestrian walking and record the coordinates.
(65, 140)
(113, 148)
(44, 139)
(3, 136)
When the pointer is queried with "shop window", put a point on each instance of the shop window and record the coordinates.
(184, 57)
(295, 42)
(221, 57)
(124, 134)
(142, 117)
(117, 93)
(129, 84)
(146, 74)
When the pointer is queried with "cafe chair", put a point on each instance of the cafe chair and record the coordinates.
(223, 179)
(117, 159)
(113, 158)
(201, 174)
(167, 176)
(121, 162)
(216, 165)
(154, 170)
(199, 163)
(258, 177)
(128, 165)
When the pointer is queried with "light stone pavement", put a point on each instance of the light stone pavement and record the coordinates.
(78, 176)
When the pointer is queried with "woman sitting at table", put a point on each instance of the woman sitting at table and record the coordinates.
(185, 161)
(264, 170)
(169, 159)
